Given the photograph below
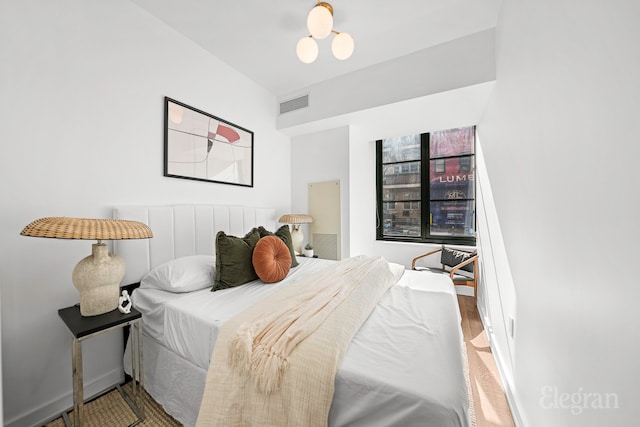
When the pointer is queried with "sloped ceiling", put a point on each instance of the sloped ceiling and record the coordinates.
(258, 38)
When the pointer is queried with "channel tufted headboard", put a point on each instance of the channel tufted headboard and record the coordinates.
(183, 230)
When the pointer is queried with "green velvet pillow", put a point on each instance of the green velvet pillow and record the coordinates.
(233, 259)
(285, 235)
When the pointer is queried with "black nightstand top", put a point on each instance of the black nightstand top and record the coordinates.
(83, 326)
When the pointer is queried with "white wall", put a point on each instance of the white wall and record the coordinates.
(314, 155)
(82, 85)
(456, 108)
(320, 157)
(459, 63)
(1, 396)
(496, 301)
(560, 143)
(321, 154)
(81, 90)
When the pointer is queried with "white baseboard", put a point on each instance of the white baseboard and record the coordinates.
(512, 398)
(52, 410)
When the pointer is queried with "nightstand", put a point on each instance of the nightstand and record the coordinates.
(84, 328)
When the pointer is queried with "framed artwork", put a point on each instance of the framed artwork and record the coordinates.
(203, 147)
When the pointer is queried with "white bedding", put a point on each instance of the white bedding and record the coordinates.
(404, 367)
(203, 312)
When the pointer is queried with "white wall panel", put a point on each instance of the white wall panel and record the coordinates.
(184, 225)
(559, 139)
(206, 232)
(162, 247)
(196, 237)
(325, 231)
(321, 157)
(82, 108)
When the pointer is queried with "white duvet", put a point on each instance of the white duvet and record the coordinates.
(404, 367)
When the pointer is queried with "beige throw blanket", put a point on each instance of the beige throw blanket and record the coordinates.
(275, 363)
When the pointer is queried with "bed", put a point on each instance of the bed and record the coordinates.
(405, 366)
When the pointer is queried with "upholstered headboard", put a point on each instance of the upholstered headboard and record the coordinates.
(183, 230)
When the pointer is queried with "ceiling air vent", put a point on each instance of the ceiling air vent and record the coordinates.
(294, 104)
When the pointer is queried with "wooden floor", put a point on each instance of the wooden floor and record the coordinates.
(490, 403)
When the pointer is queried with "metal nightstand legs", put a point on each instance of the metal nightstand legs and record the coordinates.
(137, 371)
(136, 398)
(78, 392)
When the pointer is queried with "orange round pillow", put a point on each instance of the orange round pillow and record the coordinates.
(271, 259)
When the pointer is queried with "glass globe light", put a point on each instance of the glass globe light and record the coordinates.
(307, 50)
(320, 22)
(342, 46)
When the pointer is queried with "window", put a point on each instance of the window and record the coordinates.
(432, 175)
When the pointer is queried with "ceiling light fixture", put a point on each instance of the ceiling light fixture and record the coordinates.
(320, 25)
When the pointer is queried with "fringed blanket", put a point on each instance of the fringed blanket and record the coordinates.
(275, 363)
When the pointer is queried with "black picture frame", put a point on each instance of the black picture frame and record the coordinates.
(202, 147)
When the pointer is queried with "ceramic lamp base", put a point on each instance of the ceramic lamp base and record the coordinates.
(97, 278)
(296, 238)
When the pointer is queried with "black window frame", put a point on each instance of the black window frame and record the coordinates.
(425, 199)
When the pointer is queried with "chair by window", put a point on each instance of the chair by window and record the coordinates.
(460, 265)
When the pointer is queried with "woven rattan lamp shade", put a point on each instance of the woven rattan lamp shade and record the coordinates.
(296, 233)
(87, 229)
(296, 219)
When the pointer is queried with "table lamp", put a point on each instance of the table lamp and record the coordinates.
(296, 234)
(98, 276)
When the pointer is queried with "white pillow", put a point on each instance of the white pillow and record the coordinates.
(185, 274)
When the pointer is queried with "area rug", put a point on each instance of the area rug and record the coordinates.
(111, 410)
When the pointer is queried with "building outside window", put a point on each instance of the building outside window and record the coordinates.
(433, 176)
